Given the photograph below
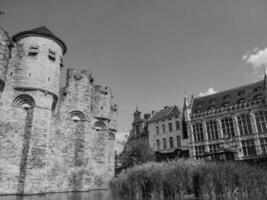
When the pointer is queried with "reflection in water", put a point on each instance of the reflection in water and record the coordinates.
(93, 195)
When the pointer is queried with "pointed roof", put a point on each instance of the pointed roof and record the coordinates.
(164, 113)
(40, 31)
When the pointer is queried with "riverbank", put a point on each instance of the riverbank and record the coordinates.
(178, 179)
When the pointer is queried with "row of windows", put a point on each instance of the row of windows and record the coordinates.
(34, 50)
(248, 148)
(228, 130)
(170, 127)
(226, 104)
(171, 143)
(228, 97)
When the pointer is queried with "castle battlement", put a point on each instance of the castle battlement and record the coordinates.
(53, 139)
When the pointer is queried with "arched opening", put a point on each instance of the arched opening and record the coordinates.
(24, 101)
(99, 125)
(76, 116)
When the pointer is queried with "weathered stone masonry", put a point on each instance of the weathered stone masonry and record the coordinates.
(52, 139)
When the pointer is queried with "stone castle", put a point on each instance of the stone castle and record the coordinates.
(52, 138)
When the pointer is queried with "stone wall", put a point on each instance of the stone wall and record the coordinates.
(46, 148)
(4, 56)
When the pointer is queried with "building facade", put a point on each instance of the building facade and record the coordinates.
(52, 139)
(166, 136)
(139, 130)
(229, 125)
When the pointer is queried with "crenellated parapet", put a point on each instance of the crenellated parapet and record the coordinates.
(113, 117)
(101, 107)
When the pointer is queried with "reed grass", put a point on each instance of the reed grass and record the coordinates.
(178, 179)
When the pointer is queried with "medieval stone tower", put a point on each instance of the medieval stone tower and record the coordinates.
(52, 139)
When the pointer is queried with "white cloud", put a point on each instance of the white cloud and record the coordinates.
(256, 58)
(208, 92)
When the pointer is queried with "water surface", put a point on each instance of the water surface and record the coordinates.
(93, 195)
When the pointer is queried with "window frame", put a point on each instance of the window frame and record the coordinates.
(228, 127)
(244, 124)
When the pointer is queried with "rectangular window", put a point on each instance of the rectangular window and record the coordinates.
(248, 147)
(158, 145)
(33, 50)
(164, 143)
(261, 121)
(263, 142)
(177, 124)
(163, 128)
(228, 127)
(178, 140)
(171, 142)
(52, 55)
(157, 129)
(170, 127)
(198, 132)
(244, 124)
(199, 150)
(212, 130)
(214, 148)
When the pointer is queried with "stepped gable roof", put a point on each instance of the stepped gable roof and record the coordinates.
(164, 113)
(41, 31)
(229, 97)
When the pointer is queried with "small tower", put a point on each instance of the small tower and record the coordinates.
(39, 63)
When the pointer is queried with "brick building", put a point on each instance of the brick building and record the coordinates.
(52, 139)
(229, 125)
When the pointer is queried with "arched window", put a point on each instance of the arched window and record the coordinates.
(24, 101)
(76, 116)
(99, 125)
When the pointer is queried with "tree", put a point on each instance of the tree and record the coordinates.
(137, 154)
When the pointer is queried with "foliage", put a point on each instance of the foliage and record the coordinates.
(177, 179)
(138, 153)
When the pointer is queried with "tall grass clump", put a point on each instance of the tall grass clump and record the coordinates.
(177, 179)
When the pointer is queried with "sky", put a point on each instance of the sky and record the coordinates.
(153, 52)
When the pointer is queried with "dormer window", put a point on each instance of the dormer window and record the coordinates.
(226, 104)
(242, 100)
(52, 55)
(198, 110)
(258, 97)
(240, 93)
(33, 50)
(257, 89)
(212, 101)
(226, 97)
(211, 107)
(199, 105)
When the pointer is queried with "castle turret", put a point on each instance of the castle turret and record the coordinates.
(40, 61)
(4, 57)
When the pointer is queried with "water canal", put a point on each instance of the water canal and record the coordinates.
(93, 195)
